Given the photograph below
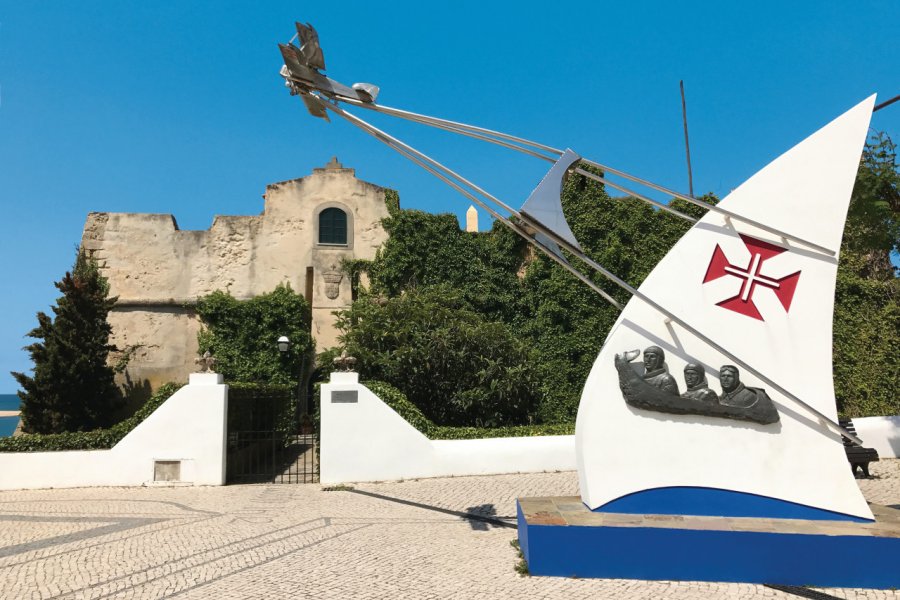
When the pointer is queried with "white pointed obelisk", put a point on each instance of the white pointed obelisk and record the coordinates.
(472, 220)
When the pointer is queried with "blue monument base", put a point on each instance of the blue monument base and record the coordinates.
(562, 537)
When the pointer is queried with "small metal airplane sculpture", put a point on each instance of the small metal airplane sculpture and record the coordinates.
(301, 72)
(540, 220)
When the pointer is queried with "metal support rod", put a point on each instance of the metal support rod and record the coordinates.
(381, 134)
(487, 133)
(687, 144)
(396, 143)
(435, 121)
(426, 163)
(486, 138)
(886, 103)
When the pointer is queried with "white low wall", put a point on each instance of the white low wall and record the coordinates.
(189, 427)
(363, 439)
(881, 433)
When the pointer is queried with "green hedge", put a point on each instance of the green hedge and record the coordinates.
(398, 401)
(99, 439)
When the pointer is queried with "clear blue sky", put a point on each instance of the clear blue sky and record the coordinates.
(176, 107)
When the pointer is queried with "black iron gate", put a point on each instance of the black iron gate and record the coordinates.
(270, 439)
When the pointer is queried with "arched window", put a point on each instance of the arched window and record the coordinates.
(333, 226)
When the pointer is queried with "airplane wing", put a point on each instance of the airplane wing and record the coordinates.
(293, 60)
(309, 46)
(315, 107)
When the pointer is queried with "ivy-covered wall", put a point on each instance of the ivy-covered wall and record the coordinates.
(242, 334)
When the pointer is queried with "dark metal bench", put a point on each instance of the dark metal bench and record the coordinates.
(858, 456)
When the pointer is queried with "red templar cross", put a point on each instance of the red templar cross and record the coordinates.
(760, 252)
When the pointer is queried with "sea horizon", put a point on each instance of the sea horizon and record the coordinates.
(8, 424)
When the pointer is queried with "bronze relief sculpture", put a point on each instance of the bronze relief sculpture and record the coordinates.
(657, 390)
(697, 386)
(655, 371)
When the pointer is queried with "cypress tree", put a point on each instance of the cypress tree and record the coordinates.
(72, 388)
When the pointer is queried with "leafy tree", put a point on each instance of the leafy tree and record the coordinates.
(242, 335)
(457, 367)
(872, 232)
(72, 388)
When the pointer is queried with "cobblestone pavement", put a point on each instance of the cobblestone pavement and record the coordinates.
(390, 540)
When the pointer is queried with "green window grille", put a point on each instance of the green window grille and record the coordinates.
(333, 226)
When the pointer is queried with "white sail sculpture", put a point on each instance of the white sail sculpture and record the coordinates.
(768, 301)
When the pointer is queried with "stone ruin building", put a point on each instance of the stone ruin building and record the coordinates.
(308, 225)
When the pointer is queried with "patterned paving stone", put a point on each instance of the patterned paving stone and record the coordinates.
(381, 540)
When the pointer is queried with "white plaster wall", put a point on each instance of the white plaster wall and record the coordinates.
(188, 427)
(881, 433)
(368, 441)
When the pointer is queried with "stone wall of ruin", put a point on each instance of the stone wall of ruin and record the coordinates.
(157, 270)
